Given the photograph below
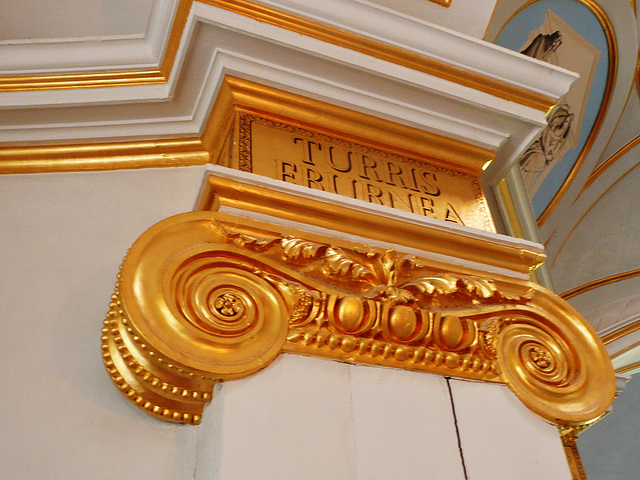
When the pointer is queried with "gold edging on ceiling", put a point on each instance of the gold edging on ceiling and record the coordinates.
(204, 297)
(626, 349)
(574, 292)
(599, 170)
(595, 202)
(107, 79)
(443, 3)
(286, 21)
(621, 332)
(611, 160)
(628, 368)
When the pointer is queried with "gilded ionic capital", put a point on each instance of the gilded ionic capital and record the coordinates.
(204, 297)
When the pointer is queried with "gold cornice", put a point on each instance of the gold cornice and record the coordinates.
(239, 93)
(599, 283)
(342, 122)
(102, 156)
(204, 297)
(224, 192)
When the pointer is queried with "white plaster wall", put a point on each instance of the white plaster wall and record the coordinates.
(62, 237)
(501, 439)
(317, 419)
(323, 419)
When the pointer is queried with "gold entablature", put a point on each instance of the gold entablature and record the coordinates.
(205, 296)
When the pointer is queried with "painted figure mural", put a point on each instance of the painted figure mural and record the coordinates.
(543, 46)
(549, 146)
(556, 42)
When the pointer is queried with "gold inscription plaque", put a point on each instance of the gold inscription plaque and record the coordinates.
(323, 162)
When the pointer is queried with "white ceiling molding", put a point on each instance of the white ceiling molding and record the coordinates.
(217, 42)
(102, 53)
(434, 42)
(470, 17)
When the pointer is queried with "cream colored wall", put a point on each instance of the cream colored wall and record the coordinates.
(63, 237)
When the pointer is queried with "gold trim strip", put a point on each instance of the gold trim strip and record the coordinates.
(628, 368)
(513, 221)
(610, 161)
(599, 283)
(573, 459)
(384, 52)
(173, 43)
(107, 79)
(621, 332)
(80, 80)
(103, 156)
(220, 191)
(555, 258)
(625, 350)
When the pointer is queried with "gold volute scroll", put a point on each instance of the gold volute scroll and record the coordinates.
(206, 296)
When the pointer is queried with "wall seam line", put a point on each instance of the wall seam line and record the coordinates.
(455, 423)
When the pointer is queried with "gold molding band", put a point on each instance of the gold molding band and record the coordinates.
(80, 80)
(102, 156)
(622, 151)
(204, 297)
(628, 368)
(599, 283)
(621, 332)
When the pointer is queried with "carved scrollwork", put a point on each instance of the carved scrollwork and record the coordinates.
(549, 365)
(205, 297)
